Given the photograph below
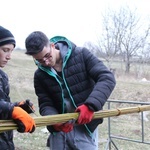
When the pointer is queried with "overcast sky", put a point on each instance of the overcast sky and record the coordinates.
(78, 20)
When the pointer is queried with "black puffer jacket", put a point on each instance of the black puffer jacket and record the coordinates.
(6, 138)
(85, 79)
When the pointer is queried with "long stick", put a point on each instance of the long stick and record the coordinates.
(6, 125)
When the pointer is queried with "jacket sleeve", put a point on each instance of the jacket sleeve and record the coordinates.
(6, 109)
(46, 106)
(104, 81)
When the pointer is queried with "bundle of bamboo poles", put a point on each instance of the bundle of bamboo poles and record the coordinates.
(6, 125)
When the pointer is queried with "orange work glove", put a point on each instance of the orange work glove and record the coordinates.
(65, 127)
(85, 115)
(26, 105)
(24, 121)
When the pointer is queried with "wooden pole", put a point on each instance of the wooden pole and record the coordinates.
(6, 125)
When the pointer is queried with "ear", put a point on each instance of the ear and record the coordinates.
(52, 45)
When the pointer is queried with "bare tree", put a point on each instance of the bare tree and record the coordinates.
(110, 39)
(93, 48)
(122, 34)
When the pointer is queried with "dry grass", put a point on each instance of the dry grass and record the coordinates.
(21, 69)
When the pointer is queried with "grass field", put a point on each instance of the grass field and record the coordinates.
(21, 69)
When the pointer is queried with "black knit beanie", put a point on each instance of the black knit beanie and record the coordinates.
(6, 37)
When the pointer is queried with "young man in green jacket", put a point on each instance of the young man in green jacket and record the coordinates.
(69, 79)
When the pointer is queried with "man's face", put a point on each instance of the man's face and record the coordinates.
(45, 57)
(5, 54)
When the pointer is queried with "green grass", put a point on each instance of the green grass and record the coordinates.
(21, 70)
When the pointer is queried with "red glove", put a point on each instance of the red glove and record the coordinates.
(24, 121)
(85, 115)
(65, 127)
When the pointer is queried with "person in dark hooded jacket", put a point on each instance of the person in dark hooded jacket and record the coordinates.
(17, 111)
(69, 79)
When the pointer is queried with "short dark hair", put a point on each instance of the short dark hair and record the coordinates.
(35, 42)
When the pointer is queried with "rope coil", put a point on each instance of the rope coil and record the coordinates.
(119, 112)
(139, 109)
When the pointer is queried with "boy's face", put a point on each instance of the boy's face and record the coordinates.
(5, 54)
(46, 57)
